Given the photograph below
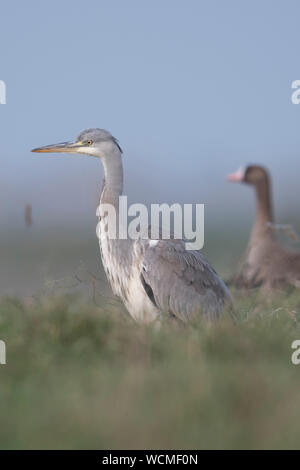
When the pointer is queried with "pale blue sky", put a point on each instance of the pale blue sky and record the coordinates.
(192, 89)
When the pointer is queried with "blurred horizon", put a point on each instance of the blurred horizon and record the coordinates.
(192, 90)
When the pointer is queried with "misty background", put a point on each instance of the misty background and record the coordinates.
(192, 90)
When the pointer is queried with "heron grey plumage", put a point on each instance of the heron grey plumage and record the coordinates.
(152, 277)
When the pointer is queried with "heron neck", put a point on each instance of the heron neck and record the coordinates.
(119, 249)
(113, 179)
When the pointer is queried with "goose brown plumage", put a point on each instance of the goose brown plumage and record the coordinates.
(266, 263)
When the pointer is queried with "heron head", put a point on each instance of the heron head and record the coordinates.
(95, 142)
(252, 174)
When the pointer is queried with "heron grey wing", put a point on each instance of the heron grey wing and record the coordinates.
(181, 282)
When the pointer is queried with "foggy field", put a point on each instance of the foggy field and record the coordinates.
(81, 374)
(87, 377)
(170, 103)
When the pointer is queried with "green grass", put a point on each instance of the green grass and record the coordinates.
(81, 376)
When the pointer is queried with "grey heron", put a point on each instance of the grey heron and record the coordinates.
(152, 278)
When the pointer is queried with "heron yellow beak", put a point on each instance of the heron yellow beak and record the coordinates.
(63, 147)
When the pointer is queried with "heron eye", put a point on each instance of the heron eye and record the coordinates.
(89, 142)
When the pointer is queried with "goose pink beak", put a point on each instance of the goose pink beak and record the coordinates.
(237, 177)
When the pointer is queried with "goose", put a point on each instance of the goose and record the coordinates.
(266, 263)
